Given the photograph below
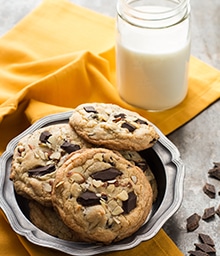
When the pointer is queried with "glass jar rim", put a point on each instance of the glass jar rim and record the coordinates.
(137, 16)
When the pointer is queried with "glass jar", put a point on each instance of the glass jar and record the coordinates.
(152, 52)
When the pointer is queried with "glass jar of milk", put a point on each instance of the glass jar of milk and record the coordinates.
(152, 52)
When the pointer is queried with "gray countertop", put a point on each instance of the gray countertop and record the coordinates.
(198, 141)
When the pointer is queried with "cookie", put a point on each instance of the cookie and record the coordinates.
(138, 160)
(101, 195)
(48, 220)
(111, 126)
(38, 155)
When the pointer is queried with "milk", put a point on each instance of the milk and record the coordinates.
(153, 81)
(152, 67)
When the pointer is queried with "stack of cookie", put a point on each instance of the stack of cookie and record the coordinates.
(86, 180)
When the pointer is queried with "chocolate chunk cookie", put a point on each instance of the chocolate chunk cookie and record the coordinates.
(101, 195)
(138, 160)
(48, 220)
(113, 127)
(38, 155)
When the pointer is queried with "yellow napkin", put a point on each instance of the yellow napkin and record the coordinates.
(62, 55)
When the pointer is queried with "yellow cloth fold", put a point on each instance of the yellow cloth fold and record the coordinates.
(62, 55)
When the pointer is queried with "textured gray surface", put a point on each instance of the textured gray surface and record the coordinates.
(199, 140)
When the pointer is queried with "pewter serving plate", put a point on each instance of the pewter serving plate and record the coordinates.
(164, 160)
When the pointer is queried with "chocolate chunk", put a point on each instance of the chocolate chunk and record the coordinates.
(216, 165)
(215, 171)
(140, 121)
(130, 203)
(69, 147)
(205, 248)
(206, 239)
(128, 126)
(209, 190)
(44, 136)
(142, 165)
(88, 198)
(208, 213)
(119, 117)
(90, 109)
(153, 141)
(193, 222)
(197, 253)
(218, 211)
(42, 170)
(104, 197)
(105, 175)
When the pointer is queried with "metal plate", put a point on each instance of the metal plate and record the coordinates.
(164, 160)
